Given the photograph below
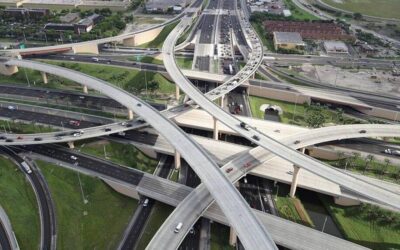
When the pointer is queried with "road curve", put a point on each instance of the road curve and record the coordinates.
(256, 136)
(197, 202)
(232, 203)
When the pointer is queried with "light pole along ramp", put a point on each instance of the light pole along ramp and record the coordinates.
(228, 198)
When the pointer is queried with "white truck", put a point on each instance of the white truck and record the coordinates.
(392, 152)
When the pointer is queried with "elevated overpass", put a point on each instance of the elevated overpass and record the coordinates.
(268, 143)
(237, 211)
(284, 232)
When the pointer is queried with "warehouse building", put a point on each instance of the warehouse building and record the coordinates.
(288, 41)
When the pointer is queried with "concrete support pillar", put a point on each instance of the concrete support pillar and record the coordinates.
(177, 160)
(130, 114)
(85, 89)
(294, 181)
(177, 94)
(71, 145)
(232, 237)
(215, 128)
(222, 101)
(44, 77)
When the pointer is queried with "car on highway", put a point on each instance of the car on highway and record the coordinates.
(255, 137)
(296, 142)
(146, 202)
(362, 131)
(20, 138)
(392, 152)
(73, 157)
(191, 231)
(139, 104)
(244, 126)
(58, 138)
(95, 59)
(3, 137)
(178, 227)
(26, 167)
(74, 123)
(228, 170)
(11, 107)
(37, 139)
(9, 140)
(76, 134)
(107, 129)
(123, 124)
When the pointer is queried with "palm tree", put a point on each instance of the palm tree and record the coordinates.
(370, 158)
(383, 170)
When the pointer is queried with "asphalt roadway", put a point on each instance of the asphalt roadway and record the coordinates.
(142, 212)
(248, 227)
(4, 241)
(231, 201)
(48, 224)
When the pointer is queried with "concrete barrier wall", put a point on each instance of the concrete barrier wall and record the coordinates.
(282, 95)
(8, 70)
(381, 113)
(89, 48)
(123, 189)
(143, 37)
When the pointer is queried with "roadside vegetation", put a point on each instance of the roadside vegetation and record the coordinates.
(19, 202)
(367, 225)
(159, 88)
(290, 208)
(146, 59)
(124, 154)
(159, 40)
(98, 222)
(367, 165)
(305, 115)
(299, 14)
(26, 128)
(385, 8)
(220, 237)
(158, 215)
(184, 62)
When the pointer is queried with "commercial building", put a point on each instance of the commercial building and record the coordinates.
(335, 47)
(83, 26)
(70, 18)
(163, 6)
(288, 41)
(315, 30)
(25, 14)
(59, 26)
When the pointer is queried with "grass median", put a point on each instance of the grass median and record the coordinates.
(123, 154)
(19, 202)
(98, 224)
(158, 215)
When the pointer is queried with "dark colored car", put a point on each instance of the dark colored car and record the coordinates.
(362, 131)
(38, 139)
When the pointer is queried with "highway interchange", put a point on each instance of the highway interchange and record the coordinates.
(250, 231)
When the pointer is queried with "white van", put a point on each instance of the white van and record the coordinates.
(178, 227)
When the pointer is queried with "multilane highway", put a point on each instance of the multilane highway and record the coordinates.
(256, 137)
(237, 211)
(198, 201)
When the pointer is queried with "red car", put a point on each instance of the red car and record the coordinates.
(74, 123)
(229, 170)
